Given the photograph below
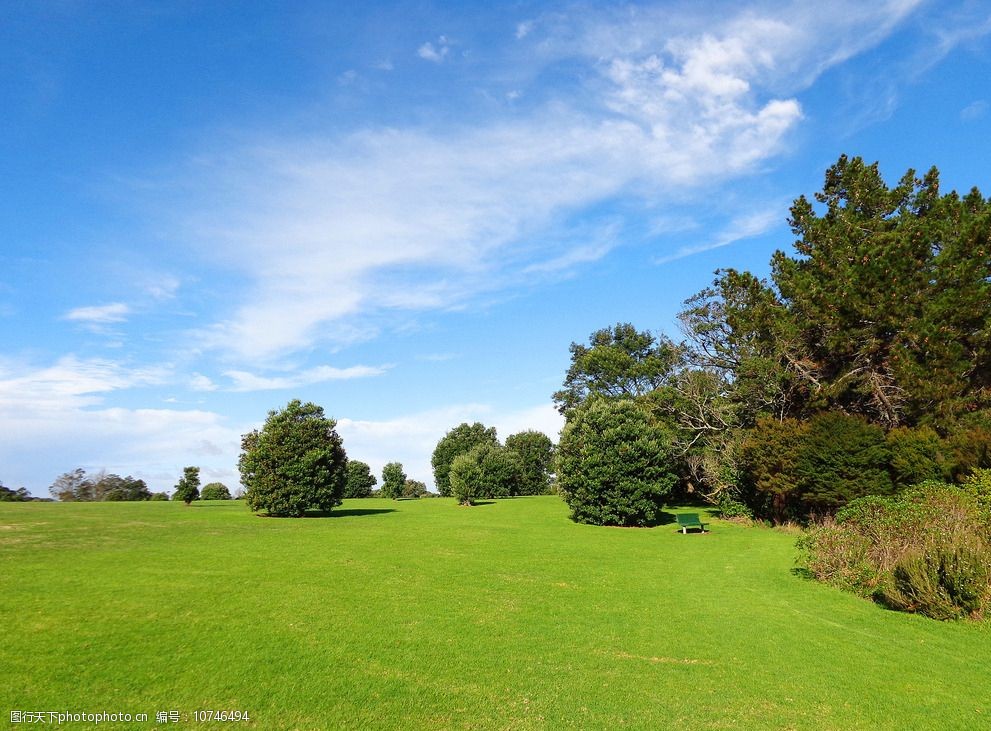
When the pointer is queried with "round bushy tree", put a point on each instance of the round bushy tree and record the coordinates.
(614, 464)
(535, 453)
(215, 491)
(414, 488)
(486, 471)
(360, 481)
(296, 462)
(393, 480)
(188, 487)
(460, 440)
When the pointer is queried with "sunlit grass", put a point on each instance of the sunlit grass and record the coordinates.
(422, 614)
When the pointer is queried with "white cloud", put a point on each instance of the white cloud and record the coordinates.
(740, 228)
(99, 314)
(54, 417)
(523, 29)
(328, 231)
(244, 381)
(437, 53)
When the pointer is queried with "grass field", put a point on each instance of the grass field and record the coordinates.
(424, 615)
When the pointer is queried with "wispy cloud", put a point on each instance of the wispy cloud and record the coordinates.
(740, 228)
(331, 230)
(244, 381)
(974, 111)
(99, 314)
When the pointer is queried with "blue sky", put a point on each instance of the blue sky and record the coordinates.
(406, 212)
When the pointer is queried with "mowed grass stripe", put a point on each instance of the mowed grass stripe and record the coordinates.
(422, 614)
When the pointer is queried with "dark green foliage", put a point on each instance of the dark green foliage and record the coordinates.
(295, 463)
(188, 487)
(534, 453)
(20, 495)
(215, 491)
(414, 488)
(158, 496)
(792, 469)
(882, 311)
(916, 455)
(460, 440)
(618, 362)
(614, 464)
(842, 457)
(393, 480)
(927, 550)
(360, 481)
(486, 471)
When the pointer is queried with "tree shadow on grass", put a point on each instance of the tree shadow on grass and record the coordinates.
(332, 513)
(350, 513)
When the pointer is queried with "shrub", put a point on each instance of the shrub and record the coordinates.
(159, 496)
(916, 455)
(927, 550)
(614, 464)
(296, 462)
(215, 491)
(943, 583)
(486, 471)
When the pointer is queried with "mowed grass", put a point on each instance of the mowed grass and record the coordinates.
(425, 615)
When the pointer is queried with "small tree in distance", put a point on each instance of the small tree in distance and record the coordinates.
(460, 440)
(535, 454)
(487, 471)
(414, 488)
(215, 491)
(393, 480)
(360, 481)
(188, 487)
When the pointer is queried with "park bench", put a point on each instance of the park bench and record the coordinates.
(690, 520)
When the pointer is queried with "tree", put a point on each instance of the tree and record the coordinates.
(72, 487)
(486, 471)
(158, 496)
(414, 488)
(360, 481)
(20, 495)
(296, 462)
(535, 455)
(215, 491)
(393, 480)
(459, 440)
(114, 488)
(619, 362)
(188, 487)
(882, 311)
(614, 464)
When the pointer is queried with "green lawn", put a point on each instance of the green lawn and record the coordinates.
(422, 614)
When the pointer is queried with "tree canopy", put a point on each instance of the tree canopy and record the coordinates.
(881, 311)
(618, 362)
(360, 481)
(459, 440)
(294, 463)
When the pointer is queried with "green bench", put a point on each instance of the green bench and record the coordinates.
(690, 520)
